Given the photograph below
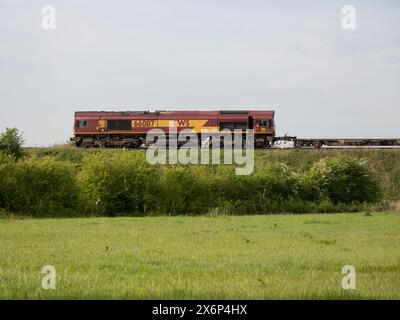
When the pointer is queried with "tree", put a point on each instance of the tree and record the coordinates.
(11, 142)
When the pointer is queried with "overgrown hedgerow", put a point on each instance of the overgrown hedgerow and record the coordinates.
(117, 183)
(341, 180)
(37, 186)
(124, 183)
(182, 189)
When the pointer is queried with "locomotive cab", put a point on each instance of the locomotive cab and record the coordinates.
(264, 125)
(81, 123)
(264, 129)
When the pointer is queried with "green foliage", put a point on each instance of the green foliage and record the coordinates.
(384, 164)
(342, 180)
(62, 154)
(184, 189)
(278, 181)
(37, 186)
(117, 183)
(6, 158)
(8, 183)
(11, 142)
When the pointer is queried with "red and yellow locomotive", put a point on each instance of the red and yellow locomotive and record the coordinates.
(128, 129)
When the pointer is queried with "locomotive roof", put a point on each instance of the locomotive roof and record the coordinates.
(221, 113)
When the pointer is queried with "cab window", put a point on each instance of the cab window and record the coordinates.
(81, 123)
(264, 123)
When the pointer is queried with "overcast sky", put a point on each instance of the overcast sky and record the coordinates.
(290, 56)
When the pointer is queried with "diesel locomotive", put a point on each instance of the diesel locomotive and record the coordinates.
(128, 129)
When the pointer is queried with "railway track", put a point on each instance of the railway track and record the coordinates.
(291, 142)
(323, 147)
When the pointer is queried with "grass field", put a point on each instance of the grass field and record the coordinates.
(244, 257)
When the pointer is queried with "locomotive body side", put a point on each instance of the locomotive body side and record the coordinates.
(129, 129)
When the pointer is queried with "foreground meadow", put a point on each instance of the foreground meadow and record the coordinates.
(226, 257)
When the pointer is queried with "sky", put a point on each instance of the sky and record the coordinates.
(293, 57)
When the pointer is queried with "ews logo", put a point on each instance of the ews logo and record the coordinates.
(183, 123)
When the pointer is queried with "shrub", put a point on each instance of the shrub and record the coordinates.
(8, 183)
(341, 180)
(278, 181)
(185, 190)
(11, 142)
(267, 190)
(226, 185)
(37, 186)
(121, 182)
(6, 158)
(113, 182)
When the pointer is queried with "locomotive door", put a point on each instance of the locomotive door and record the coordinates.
(250, 123)
(101, 125)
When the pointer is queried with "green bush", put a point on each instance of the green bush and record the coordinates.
(6, 158)
(226, 185)
(278, 181)
(177, 191)
(37, 186)
(8, 183)
(268, 190)
(11, 142)
(115, 183)
(341, 180)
